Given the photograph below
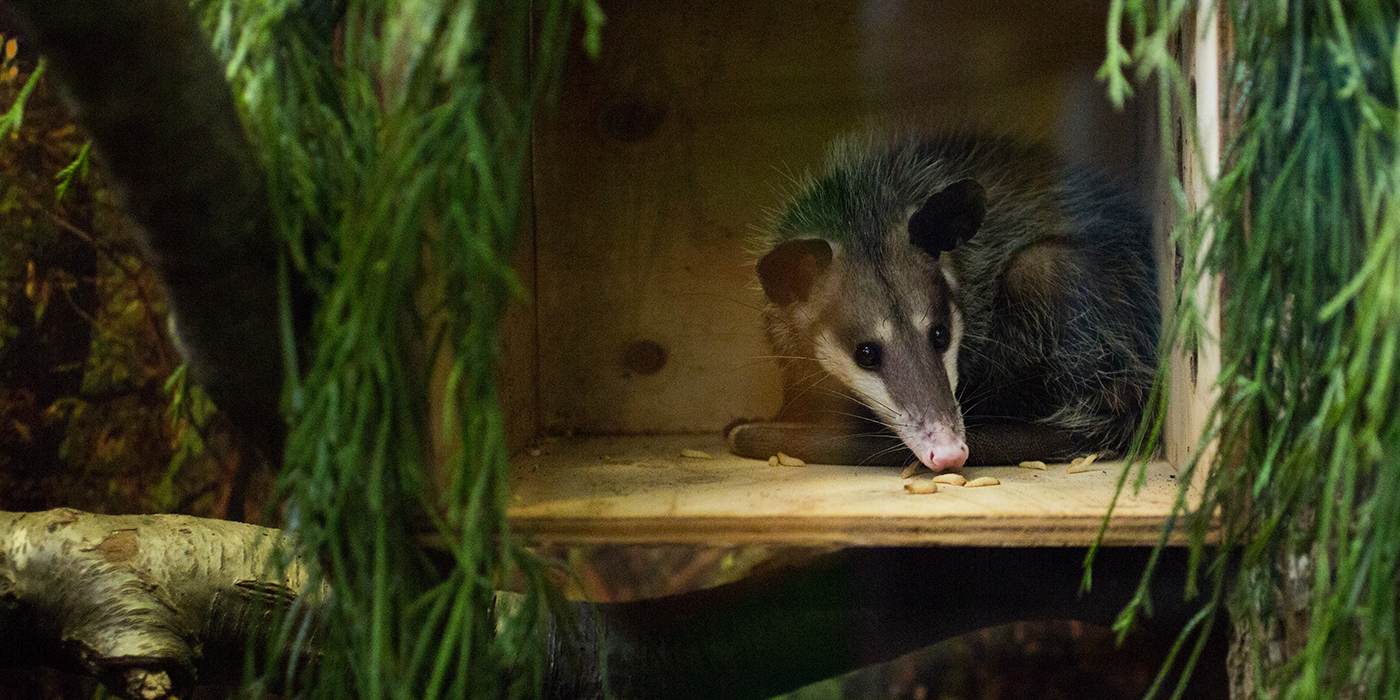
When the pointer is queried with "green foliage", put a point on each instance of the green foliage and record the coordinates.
(77, 169)
(395, 146)
(12, 118)
(1303, 225)
(189, 414)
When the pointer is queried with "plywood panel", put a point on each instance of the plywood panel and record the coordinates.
(1195, 368)
(668, 150)
(639, 490)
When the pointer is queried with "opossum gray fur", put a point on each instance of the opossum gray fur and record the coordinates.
(952, 281)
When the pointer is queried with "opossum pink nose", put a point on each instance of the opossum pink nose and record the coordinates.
(947, 456)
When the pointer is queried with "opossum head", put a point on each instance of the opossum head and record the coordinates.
(879, 311)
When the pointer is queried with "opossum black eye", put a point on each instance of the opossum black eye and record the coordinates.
(939, 337)
(869, 356)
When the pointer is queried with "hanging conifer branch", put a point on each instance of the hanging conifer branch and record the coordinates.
(396, 147)
(1304, 228)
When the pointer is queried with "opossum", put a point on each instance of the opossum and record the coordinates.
(955, 284)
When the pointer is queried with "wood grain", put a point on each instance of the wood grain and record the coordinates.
(639, 490)
(1195, 369)
(669, 151)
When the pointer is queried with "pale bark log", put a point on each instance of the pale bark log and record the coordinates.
(151, 604)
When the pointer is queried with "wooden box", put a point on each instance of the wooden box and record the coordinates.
(665, 157)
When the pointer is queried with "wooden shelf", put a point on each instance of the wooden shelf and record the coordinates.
(639, 490)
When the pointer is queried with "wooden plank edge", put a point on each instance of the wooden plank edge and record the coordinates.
(725, 531)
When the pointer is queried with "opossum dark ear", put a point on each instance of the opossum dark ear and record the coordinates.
(788, 271)
(949, 217)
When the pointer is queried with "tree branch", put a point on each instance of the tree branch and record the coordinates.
(149, 604)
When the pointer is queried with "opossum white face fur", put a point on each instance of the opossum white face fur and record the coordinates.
(879, 311)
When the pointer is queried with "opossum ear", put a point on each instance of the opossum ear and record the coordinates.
(789, 271)
(949, 217)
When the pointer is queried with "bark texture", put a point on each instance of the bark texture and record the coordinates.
(149, 604)
(1270, 616)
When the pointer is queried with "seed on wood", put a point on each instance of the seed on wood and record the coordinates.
(983, 481)
(773, 461)
(921, 487)
(1034, 464)
(1081, 464)
(695, 454)
(789, 461)
(954, 479)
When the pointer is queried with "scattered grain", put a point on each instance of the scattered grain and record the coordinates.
(789, 461)
(1081, 464)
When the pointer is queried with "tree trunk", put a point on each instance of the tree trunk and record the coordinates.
(152, 96)
(1270, 613)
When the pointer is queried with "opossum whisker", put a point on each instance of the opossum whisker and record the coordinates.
(841, 438)
(813, 377)
(785, 357)
(885, 451)
(880, 404)
(985, 419)
(815, 385)
(753, 361)
(863, 418)
(876, 434)
(810, 388)
(894, 424)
